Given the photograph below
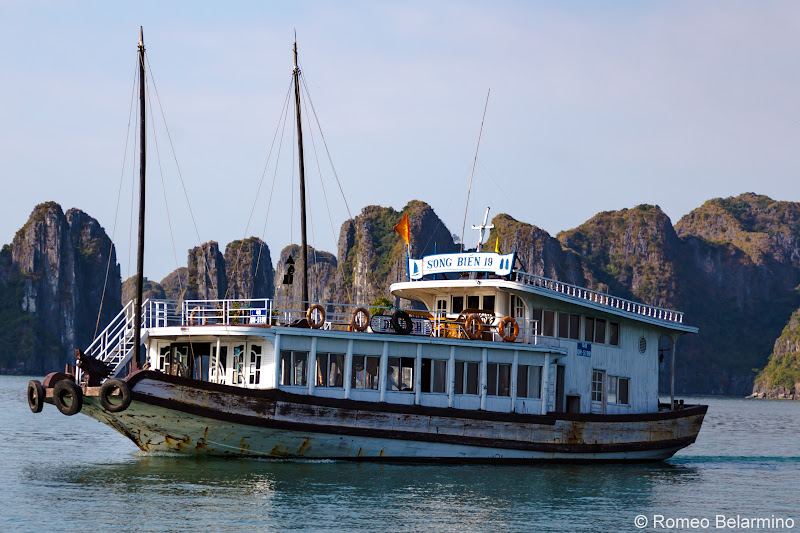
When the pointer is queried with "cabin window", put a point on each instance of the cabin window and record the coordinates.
(618, 389)
(365, 372)
(548, 323)
(238, 361)
(595, 330)
(466, 381)
(458, 304)
(498, 380)
(488, 303)
(255, 364)
(597, 385)
(434, 375)
(400, 374)
(600, 330)
(517, 307)
(473, 302)
(529, 381)
(330, 370)
(218, 364)
(568, 326)
(163, 357)
(180, 360)
(613, 333)
(294, 368)
(441, 306)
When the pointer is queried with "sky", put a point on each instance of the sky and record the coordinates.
(592, 106)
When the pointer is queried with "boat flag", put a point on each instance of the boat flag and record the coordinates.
(497, 245)
(402, 228)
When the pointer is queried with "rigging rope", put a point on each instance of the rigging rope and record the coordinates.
(166, 202)
(180, 174)
(274, 179)
(253, 208)
(466, 208)
(340, 263)
(322, 135)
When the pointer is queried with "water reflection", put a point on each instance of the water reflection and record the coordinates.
(82, 472)
(380, 497)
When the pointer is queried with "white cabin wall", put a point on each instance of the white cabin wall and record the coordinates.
(621, 361)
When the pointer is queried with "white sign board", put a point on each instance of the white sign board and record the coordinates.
(490, 262)
(258, 316)
(383, 324)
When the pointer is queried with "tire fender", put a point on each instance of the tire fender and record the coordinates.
(67, 389)
(108, 389)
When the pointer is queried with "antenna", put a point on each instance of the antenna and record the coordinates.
(469, 191)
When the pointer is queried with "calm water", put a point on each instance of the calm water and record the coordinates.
(74, 474)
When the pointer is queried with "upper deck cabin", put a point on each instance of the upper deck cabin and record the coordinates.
(576, 350)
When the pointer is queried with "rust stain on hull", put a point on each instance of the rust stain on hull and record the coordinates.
(304, 446)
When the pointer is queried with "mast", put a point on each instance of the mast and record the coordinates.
(137, 312)
(302, 178)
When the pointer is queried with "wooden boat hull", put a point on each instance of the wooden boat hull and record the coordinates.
(178, 415)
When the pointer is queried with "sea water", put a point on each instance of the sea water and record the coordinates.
(61, 473)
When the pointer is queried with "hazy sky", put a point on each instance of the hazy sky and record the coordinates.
(594, 106)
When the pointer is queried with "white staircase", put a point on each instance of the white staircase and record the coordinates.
(114, 345)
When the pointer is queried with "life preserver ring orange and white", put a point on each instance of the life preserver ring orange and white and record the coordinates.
(318, 311)
(360, 320)
(508, 322)
(195, 311)
(473, 326)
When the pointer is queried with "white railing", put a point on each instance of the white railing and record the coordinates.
(600, 298)
(456, 327)
(114, 345)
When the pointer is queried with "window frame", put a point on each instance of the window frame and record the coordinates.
(614, 395)
(599, 334)
(611, 333)
(494, 378)
(463, 368)
(292, 368)
(436, 375)
(526, 371)
(404, 375)
(329, 358)
(375, 378)
(598, 386)
(573, 325)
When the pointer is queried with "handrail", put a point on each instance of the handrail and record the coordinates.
(114, 345)
(622, 304)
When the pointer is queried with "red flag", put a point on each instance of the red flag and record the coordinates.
(402, 228)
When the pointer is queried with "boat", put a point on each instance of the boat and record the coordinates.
(488, 364)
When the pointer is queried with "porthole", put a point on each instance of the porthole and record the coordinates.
(642, 345)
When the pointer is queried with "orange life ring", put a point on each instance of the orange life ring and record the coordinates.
(360, 320)
(473, 326)
(310, 316)
(191, 315)
(512, 336)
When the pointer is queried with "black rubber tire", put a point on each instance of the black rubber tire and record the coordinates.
(66, 388)
(36, 395)
(399, 315)
(124, 394)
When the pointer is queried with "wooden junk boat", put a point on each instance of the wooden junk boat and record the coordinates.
(495, 364)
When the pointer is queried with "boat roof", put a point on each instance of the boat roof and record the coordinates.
(491, 270)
